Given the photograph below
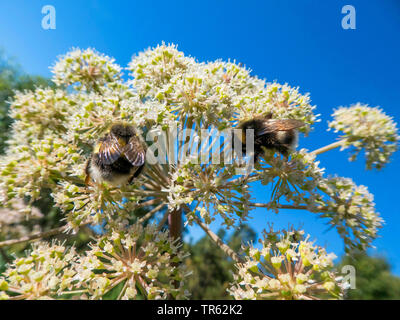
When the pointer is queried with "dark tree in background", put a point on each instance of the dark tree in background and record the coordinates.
(374, 279)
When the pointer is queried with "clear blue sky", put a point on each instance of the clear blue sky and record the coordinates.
(299, 42)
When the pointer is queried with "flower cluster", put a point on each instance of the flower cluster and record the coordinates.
(37, 156)
(46, 273)
(43, 162)
(295, 180)
(83, 206)
(286, 266)
(351, 210)
(144, 260)
(211, 192)
(38, 111)
(87, 69)
(213, 93)
(367, 128)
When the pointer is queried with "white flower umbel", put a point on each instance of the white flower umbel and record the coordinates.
(144, 260)
(286, 267)
(350, 208)
(86, 69)
(45, 273)
(367, 128)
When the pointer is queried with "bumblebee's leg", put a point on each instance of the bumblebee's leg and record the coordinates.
(136, 174)
(87, 180)
(256, 157)
(87, 171)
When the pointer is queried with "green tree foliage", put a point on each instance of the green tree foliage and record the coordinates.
(12, 78)
(374, 279)
(210, 265)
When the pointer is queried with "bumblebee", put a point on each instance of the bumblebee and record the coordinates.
(118, 158)
(276, 134)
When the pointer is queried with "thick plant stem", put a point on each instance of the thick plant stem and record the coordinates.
(175, 224)
(175, 231)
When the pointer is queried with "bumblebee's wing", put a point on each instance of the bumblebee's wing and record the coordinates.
(134, 152)
(109, 150)
(273, 125)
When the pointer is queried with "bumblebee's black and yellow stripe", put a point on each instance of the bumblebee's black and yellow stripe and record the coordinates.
(118, 157)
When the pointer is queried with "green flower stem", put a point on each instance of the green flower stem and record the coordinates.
(34, 236)
(224, 247)
(156, 175)
(329, 147)
(73, 292)
(288, 206)
(150, 213)
(123, 290)
(147, 203)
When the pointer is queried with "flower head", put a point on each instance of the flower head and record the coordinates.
(45, 273)
(288, 266)
(351, 210)
(145, 260)
(367, 128)
(86, 68)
